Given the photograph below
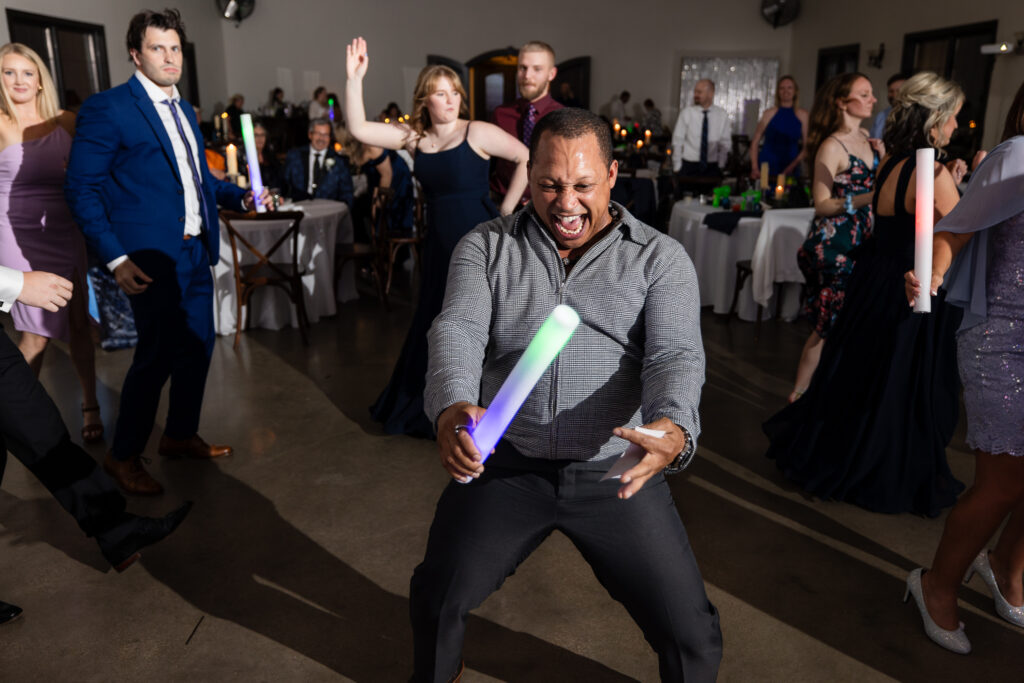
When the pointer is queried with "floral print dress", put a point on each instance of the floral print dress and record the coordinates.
(824, 257)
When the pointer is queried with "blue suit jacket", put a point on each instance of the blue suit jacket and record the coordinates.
(123, 184)
(336, 185)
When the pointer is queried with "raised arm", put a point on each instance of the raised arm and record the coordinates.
(493, 141)
(357, 60)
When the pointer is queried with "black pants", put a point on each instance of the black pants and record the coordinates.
(693, 169)
(32, 428)
(637, 548)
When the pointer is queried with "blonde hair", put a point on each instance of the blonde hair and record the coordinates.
(925, 102)
(47, 105)
(538, 46)
(425, 85)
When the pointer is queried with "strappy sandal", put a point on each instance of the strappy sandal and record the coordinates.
(92, 433)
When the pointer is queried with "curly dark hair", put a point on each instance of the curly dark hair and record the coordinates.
(168, 20)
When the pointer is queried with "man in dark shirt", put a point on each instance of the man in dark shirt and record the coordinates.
(534, 74)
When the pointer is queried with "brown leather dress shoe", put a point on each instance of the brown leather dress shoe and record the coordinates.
(131, 476)
(193, 447)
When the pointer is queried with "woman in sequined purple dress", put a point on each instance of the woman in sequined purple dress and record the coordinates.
(985, 232)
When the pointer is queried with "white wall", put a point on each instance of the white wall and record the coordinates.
(633, 46)
(201, 26)
(870, 22)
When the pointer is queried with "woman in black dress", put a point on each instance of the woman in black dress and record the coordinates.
(873, 426)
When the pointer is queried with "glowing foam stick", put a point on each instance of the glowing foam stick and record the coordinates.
(252, 158)
(550, 339)
(924, 215)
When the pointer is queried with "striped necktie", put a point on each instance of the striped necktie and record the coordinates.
(191, 162)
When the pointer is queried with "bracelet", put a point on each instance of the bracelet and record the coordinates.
(848, 204)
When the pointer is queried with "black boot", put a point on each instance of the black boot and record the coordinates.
(121, 544)
(8, 612)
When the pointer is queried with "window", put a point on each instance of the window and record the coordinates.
(75, 53)
(955, 53)
(743, 87)
(833, 61)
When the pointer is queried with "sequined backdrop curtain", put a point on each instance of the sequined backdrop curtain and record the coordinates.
(743, 87)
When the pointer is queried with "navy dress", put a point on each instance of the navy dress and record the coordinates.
(873, 426)
(400, 211)
(782, 138)
(455, 187)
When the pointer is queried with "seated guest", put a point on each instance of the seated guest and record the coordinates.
(652, 118)
(619, 108)
(384, 169)
(316, 171)
(234, 112)
(318, 105)
(702, 136)
(276, 105)
(271, 170)
(392, 112)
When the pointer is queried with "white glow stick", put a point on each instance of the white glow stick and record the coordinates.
(252, 158)
(550, 339)
(924, 215)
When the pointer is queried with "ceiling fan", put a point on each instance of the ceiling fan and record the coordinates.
(779, 12)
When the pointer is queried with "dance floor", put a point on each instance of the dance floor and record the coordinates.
(294, 564)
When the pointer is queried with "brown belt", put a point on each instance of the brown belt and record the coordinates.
(188, 236)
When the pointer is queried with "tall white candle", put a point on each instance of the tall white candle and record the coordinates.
(231, 154)
(253, 158)
(924, 215)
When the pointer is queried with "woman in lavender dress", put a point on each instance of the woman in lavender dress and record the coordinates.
(36, 228)
(985, 232)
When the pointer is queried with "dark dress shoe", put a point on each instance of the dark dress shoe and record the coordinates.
(8, 612)
(193, 447)
(121, 544)
(131, 476)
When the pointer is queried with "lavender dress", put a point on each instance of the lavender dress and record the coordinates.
(36, 228)
(987, 279)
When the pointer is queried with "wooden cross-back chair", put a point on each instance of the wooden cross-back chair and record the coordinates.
(283, 273)
(396, 240)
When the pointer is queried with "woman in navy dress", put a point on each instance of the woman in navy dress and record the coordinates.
(452, 164)
(873, 426)
(783, 129)
(384, 168)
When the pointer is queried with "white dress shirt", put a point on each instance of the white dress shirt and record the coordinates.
(686, 136)
(313, 154)
(193, 219)
(11, 282)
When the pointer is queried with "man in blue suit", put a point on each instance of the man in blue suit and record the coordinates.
(139, 187)
(316, 171)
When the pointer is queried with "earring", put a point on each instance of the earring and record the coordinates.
(40, 87)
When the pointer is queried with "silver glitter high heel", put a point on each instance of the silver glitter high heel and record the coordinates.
(954, 641)
(981, 566)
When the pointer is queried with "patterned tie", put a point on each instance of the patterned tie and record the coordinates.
(528, 124)
(191, 162)
(704, 142)
(318, 170)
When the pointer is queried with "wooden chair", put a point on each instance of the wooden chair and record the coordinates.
(395, 241)
(372, 254)
(266, 271)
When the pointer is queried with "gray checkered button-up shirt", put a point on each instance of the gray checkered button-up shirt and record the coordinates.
(636, 356)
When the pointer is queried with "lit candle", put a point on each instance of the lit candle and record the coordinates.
(616, 125)
(639, 144)
(253, 158)
(337, 147)
(778, 191)
(924, 215)
(647, 137)
(624, 132)
(764, 175)
(231, 154)
(550, 339)
(224, 124)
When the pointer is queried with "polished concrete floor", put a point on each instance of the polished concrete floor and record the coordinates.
(295, 561)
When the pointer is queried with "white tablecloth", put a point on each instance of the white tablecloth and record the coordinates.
(774, 259)
(325, 224)
(714, 255)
